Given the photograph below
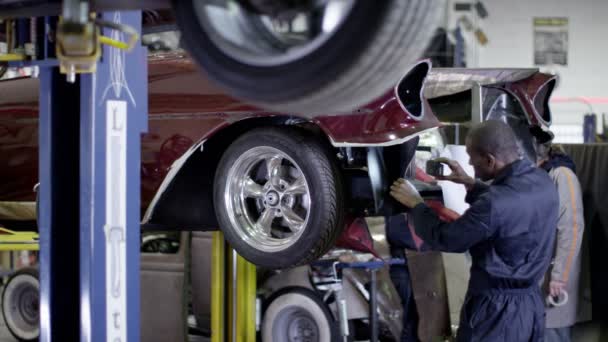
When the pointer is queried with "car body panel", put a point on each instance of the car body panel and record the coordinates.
(529, 87)
(177, 88)
(186, 110)
(528, 92)
(447, 81)
(382, 123)
(18, 139)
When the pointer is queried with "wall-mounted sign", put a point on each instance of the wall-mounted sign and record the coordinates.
(550, 41)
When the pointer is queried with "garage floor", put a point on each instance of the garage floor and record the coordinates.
(5, 335)
(586, 332)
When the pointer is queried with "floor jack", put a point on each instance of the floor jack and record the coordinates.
(235, 314)
(336, 286)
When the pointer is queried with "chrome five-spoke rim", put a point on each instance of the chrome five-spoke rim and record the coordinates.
(268, 199)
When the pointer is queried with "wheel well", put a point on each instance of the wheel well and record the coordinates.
(187, 202)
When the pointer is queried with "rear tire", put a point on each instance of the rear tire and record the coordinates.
(279, 241)
(21, 303)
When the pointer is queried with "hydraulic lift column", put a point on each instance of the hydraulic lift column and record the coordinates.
(90, 194)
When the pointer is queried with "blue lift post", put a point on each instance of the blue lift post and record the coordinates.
(90, 195)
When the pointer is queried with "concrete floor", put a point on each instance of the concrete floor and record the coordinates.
(586, 332)
(5, 335)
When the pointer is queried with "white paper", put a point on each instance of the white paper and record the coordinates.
(454, 194)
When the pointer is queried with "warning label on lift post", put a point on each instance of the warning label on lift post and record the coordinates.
(116, 221)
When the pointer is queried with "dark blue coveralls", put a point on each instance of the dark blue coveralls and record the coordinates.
(509, 231)
(400, 274)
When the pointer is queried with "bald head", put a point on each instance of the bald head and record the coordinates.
(495, 138)
(492, 147)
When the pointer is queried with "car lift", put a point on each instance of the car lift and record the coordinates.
(89, 130)
(235, 312)
(89, 136)
(18, 241)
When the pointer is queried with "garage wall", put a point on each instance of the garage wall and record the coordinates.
(510, 32)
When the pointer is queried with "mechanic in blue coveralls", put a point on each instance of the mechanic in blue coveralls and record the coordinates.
(400, 275)
(509, 231)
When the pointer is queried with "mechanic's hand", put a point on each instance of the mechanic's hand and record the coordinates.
(405, 193)
(458, 175)
(556, 287)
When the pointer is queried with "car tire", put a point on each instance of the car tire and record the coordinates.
(308, 184)
(363, 58)
(20, 304)
(294, 310)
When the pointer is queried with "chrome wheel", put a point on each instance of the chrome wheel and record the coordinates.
(268, 199)
(267, 33)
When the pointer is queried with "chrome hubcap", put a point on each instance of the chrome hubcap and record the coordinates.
(268, 199)
(272, 199)
(303, 329)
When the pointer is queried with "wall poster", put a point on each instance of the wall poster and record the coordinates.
(550, 41)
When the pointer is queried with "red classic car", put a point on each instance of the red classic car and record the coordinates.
(277, 184)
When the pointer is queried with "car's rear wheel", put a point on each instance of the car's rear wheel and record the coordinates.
(307, 56)
(21, 303)
(278, 197)
(298, 314)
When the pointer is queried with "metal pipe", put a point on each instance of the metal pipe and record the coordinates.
(476, 104)
(343, 314)
(234, 294)
(218, 282)
(373, 306)
(46, 8)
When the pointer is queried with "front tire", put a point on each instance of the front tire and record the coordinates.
(278, 197)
